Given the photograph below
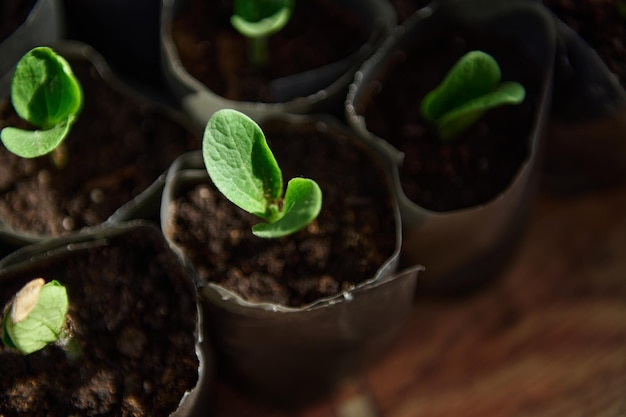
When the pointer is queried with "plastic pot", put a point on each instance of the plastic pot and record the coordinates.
(587, 136)
(138, 330)
(462, 248)
(289, 355)
(113, 112)
(43, 26)
(319, 90)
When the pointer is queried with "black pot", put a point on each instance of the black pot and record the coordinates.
(587, 136)
(319, 90)
(291, 355)
(143, 203)
(133, 330)
(461, 248)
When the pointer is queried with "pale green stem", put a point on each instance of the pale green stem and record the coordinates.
(60, 156)
(258, 51)
(70, 345)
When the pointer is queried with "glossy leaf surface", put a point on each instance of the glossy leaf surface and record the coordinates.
(45, 93)
(244, 170)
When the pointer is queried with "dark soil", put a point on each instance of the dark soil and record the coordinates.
(600, 24)
(318, 33)
(116, 149)
(480, 164)
(133, 313)
(353, 235)
(12, 14)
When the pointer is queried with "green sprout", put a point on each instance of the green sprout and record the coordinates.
(243, 168)
(36, 316)
(257, 20)
(470, 89)
(45, 93)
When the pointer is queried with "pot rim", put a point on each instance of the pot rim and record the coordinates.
(193, 400)
(79, 50)
(445, 10)
(188, 86)
(578, 64)
(190, 167)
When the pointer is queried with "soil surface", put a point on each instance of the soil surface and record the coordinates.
(133, 314)
(602, 23)
(115, 150)
(12, 14)
(216, 54)
(470, 169)
(351, 238)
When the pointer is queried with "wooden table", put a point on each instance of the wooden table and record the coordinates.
(547, 339)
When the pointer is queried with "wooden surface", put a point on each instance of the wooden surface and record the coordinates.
(548, 339)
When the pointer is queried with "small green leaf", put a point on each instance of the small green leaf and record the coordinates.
(240, 163)
(261, 18)
(469, 89)
(243, 168)
(36, 316)
(34, 143)
(474, 74)
(458, 120)
(44, 92)
(303, 202)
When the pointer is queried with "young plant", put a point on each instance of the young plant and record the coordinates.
(470, 88)
(243, 168)
(45, 93)
(36, 316)
(257, 20)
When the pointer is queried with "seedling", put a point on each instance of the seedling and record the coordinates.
(257, 20)
(36, 316)
(472, 87)
(243, 168)
(45, 93)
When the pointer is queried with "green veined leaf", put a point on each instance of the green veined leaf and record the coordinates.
(36, 317)
(44, 90)
(303, 202)
(244, 170)
(241, 165)
(34, 143)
